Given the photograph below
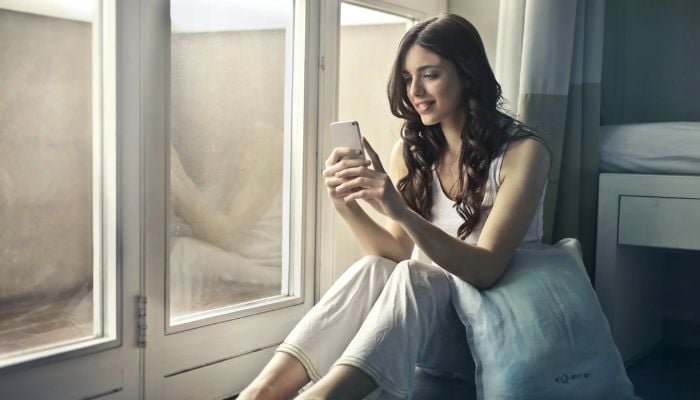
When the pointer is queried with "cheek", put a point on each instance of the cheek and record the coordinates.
(451, 94)
(456, 93)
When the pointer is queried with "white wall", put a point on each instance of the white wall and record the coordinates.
(428, 7)
(483, 14)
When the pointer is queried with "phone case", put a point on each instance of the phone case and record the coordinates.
(347, 134)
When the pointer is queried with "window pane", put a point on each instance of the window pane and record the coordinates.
(228, 106)
(46, 176)
(363, 75)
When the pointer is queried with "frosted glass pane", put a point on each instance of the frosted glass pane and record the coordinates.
(46, 253)
(227, 125)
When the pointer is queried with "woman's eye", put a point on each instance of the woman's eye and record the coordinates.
(407, 79)
(429, 76)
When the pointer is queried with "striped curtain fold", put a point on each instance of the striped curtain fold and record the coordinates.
(549, 61)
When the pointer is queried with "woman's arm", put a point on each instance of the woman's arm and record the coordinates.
(524, 174)
(390, 242)
(255, 179)
(373, 238)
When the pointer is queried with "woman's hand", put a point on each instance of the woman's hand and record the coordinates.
(341, 159)
(372, 185)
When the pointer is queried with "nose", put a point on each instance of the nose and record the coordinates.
(416, 88)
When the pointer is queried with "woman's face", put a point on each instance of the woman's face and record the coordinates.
(433, 86)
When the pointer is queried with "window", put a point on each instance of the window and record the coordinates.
(57, 181)
(230, 106)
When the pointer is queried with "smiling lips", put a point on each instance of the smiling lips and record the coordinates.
(423, 106)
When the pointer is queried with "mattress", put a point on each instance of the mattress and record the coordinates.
(651, 148)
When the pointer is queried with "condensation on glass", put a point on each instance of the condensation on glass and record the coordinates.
(229, 101)
(363, 73)
(47, 293)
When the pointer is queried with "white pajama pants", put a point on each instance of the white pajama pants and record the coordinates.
(385, 319)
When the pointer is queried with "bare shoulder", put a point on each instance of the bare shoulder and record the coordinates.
(397, 163)
(526, 156)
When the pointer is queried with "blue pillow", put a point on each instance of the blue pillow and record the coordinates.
(539, 332)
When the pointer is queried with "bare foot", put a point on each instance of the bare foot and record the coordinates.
(259, 393)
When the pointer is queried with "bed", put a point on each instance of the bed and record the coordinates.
(649, 199)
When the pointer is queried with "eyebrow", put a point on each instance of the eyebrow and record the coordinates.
(421, 68)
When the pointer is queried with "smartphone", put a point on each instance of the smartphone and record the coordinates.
(347, 134)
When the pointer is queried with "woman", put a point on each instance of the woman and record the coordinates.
(387, 313)
(224, 238)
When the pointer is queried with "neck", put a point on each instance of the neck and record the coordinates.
(452, 129)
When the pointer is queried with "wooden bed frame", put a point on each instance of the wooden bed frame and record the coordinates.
(637, 214)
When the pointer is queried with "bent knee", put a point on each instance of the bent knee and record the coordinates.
(375, 266)
(418, 272)
(377, 263)
(413, 267)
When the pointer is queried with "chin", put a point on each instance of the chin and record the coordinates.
(428, 120)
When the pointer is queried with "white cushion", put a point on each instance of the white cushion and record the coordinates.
(540, 333)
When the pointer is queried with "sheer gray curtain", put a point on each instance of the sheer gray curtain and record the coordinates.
(549, 59)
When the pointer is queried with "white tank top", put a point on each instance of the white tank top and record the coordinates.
(445, 216)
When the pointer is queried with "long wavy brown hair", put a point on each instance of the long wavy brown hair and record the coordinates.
(455, 39)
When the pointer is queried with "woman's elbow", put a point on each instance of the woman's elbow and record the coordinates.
(496, 275)
(487, 283)
(487, 277)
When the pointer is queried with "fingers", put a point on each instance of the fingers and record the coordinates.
(333, 183)
(356, 171)
(334, 179)
(342, 152)
(366, 194)
(341, 165)
(361, 182)
(351, 184)
(373, 156)
(348, 177)
(341, 195)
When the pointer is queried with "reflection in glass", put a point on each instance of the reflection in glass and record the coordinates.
(46, 182)
(227, 123)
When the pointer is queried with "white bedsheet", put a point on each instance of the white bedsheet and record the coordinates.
(653, 148)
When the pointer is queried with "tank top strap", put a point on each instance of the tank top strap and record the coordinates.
(497, 162)
(495, 170)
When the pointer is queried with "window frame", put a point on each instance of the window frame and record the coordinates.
(106, 289)
(293, 267)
